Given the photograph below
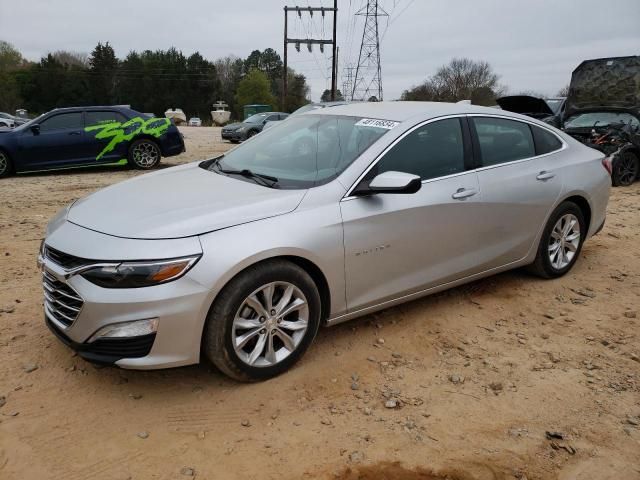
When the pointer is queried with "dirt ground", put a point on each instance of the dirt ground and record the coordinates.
(477, 376)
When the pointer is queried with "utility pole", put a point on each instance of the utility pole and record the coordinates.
(309, 42)
(368, 79)
(334, 64)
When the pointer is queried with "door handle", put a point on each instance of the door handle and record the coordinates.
(463, 193)
(544, 175)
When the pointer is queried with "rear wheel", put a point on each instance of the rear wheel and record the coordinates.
(5, 165)
(561, 242)
(144, 154)
(625, 169)
(263, 321)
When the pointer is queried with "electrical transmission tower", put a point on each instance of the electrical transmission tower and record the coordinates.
(368, 78)
(347, 82)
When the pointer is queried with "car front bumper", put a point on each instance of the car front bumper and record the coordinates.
(180, 307)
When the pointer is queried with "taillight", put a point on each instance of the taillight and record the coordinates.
(607, 164)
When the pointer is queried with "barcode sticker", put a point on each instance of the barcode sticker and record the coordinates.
(372, 122)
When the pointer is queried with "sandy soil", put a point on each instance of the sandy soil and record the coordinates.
(478, 375)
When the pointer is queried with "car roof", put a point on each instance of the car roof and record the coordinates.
(402, 111)
(92, 108)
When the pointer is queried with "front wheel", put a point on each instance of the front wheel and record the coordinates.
(144, 154)
(5, 165)
(263, 321)
(625, 169)
(561, 242)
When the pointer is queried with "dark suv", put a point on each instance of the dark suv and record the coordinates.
(88, 136)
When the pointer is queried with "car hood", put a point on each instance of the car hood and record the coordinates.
(525, 105)
(233, 126)
(605, 84)
(179, 202)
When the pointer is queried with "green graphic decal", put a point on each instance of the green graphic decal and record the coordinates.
(120, 132)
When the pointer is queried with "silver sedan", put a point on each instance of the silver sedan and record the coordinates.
(328, 216)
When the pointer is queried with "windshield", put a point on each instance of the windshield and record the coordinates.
(600, 119)
(29, 123)
(257, 118)
(305, 151)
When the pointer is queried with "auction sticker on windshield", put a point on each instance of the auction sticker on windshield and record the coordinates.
(372, 122)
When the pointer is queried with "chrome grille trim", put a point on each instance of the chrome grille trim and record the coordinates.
(62, 303)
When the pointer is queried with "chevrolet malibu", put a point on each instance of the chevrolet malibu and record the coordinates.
(334, 214)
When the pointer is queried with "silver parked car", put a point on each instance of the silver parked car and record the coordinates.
(335, 214)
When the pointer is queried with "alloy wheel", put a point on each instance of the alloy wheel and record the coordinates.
(270, 324)
(564, 241)
(145, 154)
(4, 163)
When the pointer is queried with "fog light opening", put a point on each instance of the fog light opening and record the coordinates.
(136, 328)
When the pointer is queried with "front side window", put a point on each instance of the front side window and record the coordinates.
(304, 151)
(62, 121)
(96, 118)
(431, 151)
(503, 140)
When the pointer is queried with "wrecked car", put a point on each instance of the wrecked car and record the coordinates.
(602, 110)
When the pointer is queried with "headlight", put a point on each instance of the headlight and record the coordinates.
(139, 274)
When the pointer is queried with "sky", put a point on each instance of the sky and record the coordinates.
(533, 45)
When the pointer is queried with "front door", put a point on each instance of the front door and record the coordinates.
(397, 244)
(59, 142)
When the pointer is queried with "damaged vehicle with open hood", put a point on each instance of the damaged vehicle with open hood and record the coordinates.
(603, 112)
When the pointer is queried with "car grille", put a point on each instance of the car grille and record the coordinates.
(65, 260)
(61, 302)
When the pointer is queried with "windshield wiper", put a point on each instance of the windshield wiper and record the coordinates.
(266, 180)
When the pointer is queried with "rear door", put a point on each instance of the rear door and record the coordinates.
(397, 244)
(520, 182)
(106, 142)
(60, 142)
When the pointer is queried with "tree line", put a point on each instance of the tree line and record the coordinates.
(149, 81)
(152, 81)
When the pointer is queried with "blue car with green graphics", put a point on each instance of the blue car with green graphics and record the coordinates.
(80, 137)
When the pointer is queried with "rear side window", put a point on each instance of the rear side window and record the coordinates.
(546, 142)
(431, 151)
(503, 140)
(62, 121)
(96, 118)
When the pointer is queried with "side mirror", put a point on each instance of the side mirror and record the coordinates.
(35, 128)
(391, 182)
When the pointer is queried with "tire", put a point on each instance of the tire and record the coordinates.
(626, 167)
(232, 320)
(6, 167)
(144, 154)
(549, 263)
